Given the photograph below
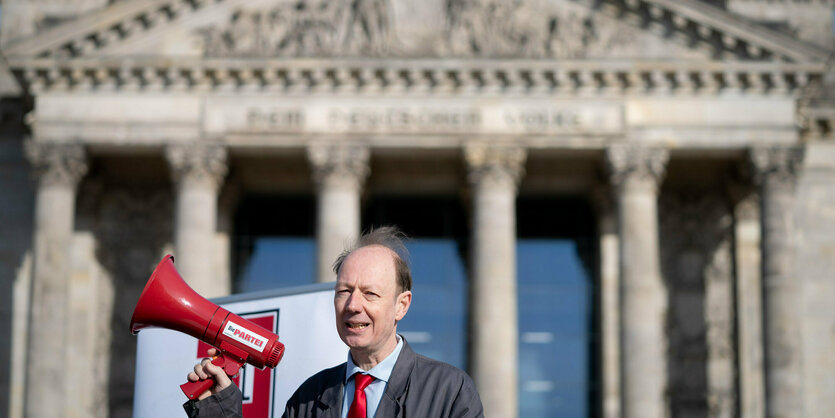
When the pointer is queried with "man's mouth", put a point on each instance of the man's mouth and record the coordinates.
(356, 326)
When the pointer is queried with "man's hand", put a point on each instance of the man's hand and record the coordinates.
(206, 370)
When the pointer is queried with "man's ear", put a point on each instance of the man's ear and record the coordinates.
(404, 300)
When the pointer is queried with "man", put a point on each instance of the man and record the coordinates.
(383, 376)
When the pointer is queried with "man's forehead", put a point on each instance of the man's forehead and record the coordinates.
(369, 259)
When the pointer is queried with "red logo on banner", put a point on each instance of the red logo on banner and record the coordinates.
(256, 385)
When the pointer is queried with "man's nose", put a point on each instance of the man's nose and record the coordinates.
(354, 303)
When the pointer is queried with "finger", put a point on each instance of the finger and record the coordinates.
(219, 375)
(212, 352)
(200, 370)
(192, 377)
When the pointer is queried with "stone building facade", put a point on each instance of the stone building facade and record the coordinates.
(699, 131)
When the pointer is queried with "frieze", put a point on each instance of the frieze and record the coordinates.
(476, 28)
(471, 28)
(303, 28)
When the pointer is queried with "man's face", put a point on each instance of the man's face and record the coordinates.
(367, 303)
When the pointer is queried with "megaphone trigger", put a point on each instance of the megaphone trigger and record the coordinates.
(230, 365)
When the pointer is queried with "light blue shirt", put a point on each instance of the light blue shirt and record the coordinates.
(374, 391)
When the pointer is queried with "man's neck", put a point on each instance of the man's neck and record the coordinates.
(366, 360)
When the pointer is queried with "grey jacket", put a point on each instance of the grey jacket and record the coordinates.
(418, 387)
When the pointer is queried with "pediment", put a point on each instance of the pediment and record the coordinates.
(643, 30)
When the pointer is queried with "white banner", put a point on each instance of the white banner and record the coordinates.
(302, 317)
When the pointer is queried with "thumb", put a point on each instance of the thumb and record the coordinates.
(221, 378)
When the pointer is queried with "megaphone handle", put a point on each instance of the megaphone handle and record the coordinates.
(194, 389)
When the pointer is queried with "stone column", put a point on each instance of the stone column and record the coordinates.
(775, 170)
(636, 173)
(494, 172)
(59, 168)
(719, 311)
(748, 302)
(609, 275)
(197, 170)
(339, 171)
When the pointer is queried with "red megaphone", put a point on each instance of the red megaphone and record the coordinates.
(168, 302)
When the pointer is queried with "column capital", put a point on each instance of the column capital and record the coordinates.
(636, 164)
(495, 164)
(62, 164)
(339, 163)
(197, 163)
(775, 164)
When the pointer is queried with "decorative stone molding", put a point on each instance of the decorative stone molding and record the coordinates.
(489, 28)
(197, 163)
(422, 76)
(817, 122)
(495, 164)
(777, 165)
(111, 25)
(636, 164)
(303, 28)
(58, 164)
(339, 163)
(699, 23)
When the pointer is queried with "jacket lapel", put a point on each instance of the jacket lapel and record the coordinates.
(391, 404)
(329, 404)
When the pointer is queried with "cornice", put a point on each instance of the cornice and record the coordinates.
(706, 23)
(420, 76)
(96, 30)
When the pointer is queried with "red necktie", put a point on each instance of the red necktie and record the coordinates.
(361, 381)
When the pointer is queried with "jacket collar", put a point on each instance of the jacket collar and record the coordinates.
(391, 404)
(330, 400)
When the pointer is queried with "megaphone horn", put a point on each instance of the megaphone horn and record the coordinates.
(168, 302)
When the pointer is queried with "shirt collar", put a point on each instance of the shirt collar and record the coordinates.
(382, 371)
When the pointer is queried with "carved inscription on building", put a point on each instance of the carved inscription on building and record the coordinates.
(543, 119)
(274, 119)
(442, 117)
(403, 119)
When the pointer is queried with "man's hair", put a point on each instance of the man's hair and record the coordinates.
(390, 237)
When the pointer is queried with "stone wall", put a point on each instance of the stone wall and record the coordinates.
(125, 229)
(696, 235)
